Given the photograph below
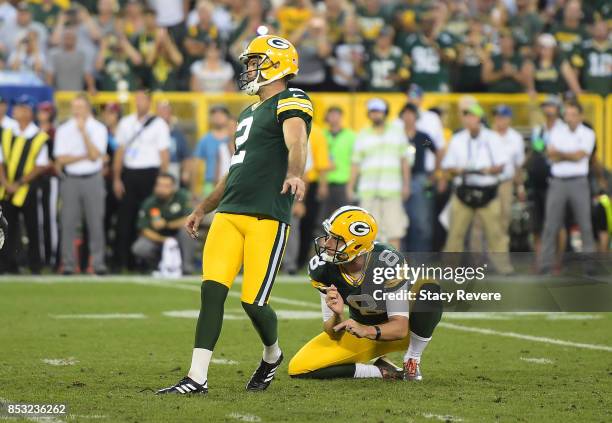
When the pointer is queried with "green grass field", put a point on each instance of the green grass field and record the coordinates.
(116, 341)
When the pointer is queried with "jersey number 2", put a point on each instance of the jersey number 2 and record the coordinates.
(245, 127)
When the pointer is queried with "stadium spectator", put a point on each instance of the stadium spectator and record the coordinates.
(132, 18)
(88, 34)
(475, 158)
(511, 178)
(594, 59)
(431, 54)
(207, 149)
(48, 184)
(381, 164)
(551, 72)
(29, 56)
(310, 40)
(200, 35)
(293, 16)
(248, 22)
(212, 74)
(106, 19)
(525, 25)
(111, 115)
(80, 146)
(569, 149)
(419, 206)
(170, 15)
(68, 66)
(45, 12)
(471, 53)
(144, 141)
(340, 141)
(336, 13)
(13, 32)
(179, 148)
(8, 14)
(371, 19)
(161, 57)
(115, 64)
(162, 216)
(571, 31)
(18, 195)
(506, 71)
(348, 57)
(386, 68)
(5, 120)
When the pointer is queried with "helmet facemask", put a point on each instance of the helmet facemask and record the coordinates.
(252, 84)
(334, 254)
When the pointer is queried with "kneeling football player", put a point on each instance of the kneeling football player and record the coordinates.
(349, 268)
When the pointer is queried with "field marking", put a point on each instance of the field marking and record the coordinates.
(572, 316)
(223, 361)
(70, 361)
(232, 314)
(553, 341)
(442, 417)
(102, 316)
(537, 360)
(244, 417)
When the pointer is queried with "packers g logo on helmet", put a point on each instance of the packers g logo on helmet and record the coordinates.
(276, 58)
(353, 229)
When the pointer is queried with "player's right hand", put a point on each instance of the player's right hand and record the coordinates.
(193, 223)
(118, 189)
(334, 300)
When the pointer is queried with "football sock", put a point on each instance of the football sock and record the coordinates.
(366, 371)
(332, 372)
(271, 353)
(265, 323)
(200, 359)
(210, 320)
(416, 347)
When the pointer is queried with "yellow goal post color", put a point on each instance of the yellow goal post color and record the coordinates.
(192, 109)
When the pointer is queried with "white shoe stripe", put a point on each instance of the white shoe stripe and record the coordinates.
(186, 388)
(178, 388)
(191, 386)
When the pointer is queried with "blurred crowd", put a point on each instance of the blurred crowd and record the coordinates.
(103, 191)
(509, 46)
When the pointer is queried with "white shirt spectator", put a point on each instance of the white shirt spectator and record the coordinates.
(69, 141)
(12, 33)
(8, 14)
(515, 148)
(169, 12)
(29, 132)
(465, 152)
(8, 122)
(563, 139)
(143, 145)
(212, 80)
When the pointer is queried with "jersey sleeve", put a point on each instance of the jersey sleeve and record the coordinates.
(317, 274)
(294, 103)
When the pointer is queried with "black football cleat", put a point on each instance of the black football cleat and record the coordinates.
(388, 370)
(262, 378)
(184, 387)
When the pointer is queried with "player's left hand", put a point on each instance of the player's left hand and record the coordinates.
(352, 327)
(295, 185)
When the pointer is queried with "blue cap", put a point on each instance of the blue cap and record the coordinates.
(415, 91)
(25, 100)
(502, 110)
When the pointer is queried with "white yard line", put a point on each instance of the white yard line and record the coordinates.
(70, 361)
(442, 417)
(244, 417)
(552, 341)
(100, 316)
(537, 360)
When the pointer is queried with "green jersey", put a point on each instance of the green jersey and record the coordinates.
(174, 208)
(386, 71)
(372, 300)
(259, 166)
(595, 62)
(426, 65)
(547, 76)
(569, 38)
(506, 84)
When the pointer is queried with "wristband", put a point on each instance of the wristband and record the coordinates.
(378, 333)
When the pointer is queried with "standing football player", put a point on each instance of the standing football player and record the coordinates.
(350, 268)
(253, 204)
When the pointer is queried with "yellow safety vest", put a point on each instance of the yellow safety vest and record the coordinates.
(604, 200)
(19, 160)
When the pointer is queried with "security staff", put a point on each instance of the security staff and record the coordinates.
(569, 149)
(476, 157)
(23, 156)
(144, 141)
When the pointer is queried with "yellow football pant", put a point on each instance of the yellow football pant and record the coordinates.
(236, 240)
(323, 351)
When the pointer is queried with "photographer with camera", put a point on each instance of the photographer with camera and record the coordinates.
(476, 157)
